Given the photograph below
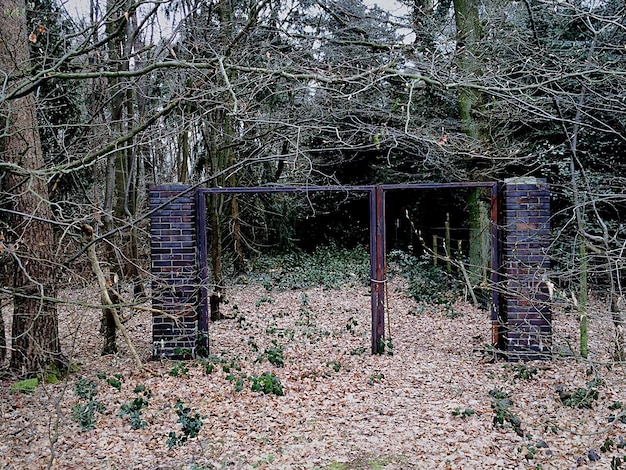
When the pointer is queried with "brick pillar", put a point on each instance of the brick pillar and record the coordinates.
(527, 313)
(173, 248)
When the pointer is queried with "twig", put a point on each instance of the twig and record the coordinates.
(447, 258)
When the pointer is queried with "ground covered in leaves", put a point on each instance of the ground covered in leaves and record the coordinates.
(291, 384)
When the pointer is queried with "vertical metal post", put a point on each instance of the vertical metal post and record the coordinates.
(201, 256)
(496, 251)
(378, 265)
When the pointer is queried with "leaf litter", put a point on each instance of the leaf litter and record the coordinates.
(425, 406)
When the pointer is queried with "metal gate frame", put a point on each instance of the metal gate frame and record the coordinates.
(378, 245)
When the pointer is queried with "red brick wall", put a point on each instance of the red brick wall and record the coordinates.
(527, 316)
(174, 287)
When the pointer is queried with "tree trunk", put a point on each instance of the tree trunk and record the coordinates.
(468, 40)
(35, 339)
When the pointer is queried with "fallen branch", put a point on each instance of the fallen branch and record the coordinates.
(106, 299)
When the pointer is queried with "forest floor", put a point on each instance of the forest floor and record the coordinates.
(437, 402)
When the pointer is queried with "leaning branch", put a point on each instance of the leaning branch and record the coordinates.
(104, 295)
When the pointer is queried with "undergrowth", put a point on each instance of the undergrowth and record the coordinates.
(329, 267)
(426, 283)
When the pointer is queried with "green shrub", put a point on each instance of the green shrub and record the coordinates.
(266, 383)
(133, 410)
(85, 413)
(581, 397)
(501, 404)
(191, 425)
(274, 355)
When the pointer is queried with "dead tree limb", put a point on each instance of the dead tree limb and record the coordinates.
(107, 302)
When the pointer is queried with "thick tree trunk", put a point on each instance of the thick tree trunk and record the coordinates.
(35, 339)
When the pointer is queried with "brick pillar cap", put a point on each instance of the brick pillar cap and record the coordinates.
(524, 180)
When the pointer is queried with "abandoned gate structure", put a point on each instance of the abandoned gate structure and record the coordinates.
(520, 237)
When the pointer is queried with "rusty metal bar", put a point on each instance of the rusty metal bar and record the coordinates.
(484, 184)
(286, 189)
(203, 275)
(495, 263)
(378, 267)
(378, 262)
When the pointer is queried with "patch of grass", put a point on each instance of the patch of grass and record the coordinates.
(24, 386)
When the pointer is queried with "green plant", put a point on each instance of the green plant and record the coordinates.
(524, 372)
(116, 381)
(263, 300)
(385, 346)
(179, 370)
(451, 312)
(266, 383)
(467, 412)
(263, 462)
(201, 344)
(228, 365)
(274, 355)
(501, 403)
(336, 365)
(191, 425)
(376, 378)
(351, 325)
(85, 413)
(427, 283)
(242, 323)
(528, 450)
(357, 351)
(238, 380)
(329, 267)
(581, 397)
(133, 410)
(182, 352)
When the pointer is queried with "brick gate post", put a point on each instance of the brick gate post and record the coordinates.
(174, 284)
(528, 328)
